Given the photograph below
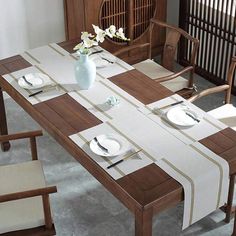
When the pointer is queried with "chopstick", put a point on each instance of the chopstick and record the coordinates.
(45, 90)
(99, 51)
(36, 93)
(125, 158)
(26, 81)
(103, 58)
(172, 104)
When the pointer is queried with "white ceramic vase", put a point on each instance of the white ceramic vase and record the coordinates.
(85, 71)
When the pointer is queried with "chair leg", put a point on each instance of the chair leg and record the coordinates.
(234, 230)
(3, 123)
(230, 199)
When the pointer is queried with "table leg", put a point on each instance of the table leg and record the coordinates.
(3, 123)
(143, 222)
(229, 205)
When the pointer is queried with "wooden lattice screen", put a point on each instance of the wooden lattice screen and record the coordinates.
(132, 15)
(213, 23)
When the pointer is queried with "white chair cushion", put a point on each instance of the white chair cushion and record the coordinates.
(25, 213)
(226, 114)
(154, 71)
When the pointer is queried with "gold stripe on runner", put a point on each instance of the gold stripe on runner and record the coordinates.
(56, 50)
(210, 122)
(27, 90)
(113, 90)
(74, 57)
(131, 141)
(61, 87)
(191, 183)
(94, 105)
(220, 169)
(32, 57)
(109, 162)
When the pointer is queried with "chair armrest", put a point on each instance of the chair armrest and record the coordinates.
(4, 138)
(209, 91)
(174, 75)
(28, 194)
(129, 48)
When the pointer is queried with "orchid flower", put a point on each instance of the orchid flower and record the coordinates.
(89, 40)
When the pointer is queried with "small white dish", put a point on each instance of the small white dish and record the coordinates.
(38, 80)
(181, 116)
(114, 143)
(103, 59)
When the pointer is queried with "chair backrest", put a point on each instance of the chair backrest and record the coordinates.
(173, 35)
(226, 87)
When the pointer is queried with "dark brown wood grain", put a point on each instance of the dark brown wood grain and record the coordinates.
(140, 86)
(67, 115)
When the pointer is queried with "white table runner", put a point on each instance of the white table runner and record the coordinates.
(180, 161)
(95, 100)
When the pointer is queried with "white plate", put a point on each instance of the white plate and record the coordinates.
(115, 144)
(38, 80)
(178, 116)
(100, 59)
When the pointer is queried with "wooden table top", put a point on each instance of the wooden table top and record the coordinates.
(63, 116)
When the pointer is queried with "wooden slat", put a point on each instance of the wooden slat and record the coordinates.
(140, 86)
(151, 184)
(3, 70)
(223, 143)
(67, 115)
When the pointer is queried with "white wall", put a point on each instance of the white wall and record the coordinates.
(27, 24)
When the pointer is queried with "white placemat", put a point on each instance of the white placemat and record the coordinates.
(132, 164)
(42, 55)
(12, 79)
(206, 127)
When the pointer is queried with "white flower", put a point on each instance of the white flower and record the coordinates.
(120, 34)
(112, 29)
(100, 34)
(79, 46)
(86, 35)
(88, 43)
(89, 40)
(108, 33)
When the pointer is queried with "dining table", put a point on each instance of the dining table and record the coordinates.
(73, 117)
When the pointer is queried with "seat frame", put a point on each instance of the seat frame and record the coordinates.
(48, 228)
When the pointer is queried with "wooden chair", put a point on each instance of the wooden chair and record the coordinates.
(227, 115)
(164, 73)
(24, 197)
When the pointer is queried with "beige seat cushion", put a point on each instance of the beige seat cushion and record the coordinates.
(25, 213)
(226, 114)
(154, 71)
